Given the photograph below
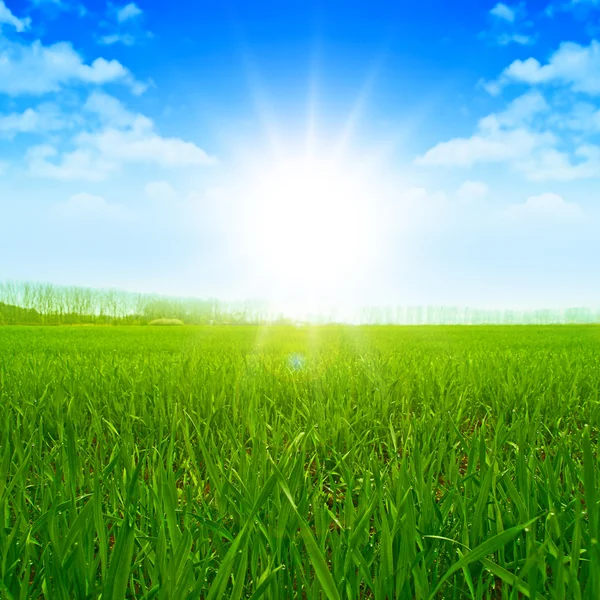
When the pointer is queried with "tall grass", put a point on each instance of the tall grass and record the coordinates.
(185, 463)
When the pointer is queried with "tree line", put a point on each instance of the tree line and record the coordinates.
(49, 304)
(457, 315)
(27, 303)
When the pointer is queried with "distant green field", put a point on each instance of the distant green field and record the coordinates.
(245, 462)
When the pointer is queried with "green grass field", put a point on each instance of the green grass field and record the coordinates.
(241, 462)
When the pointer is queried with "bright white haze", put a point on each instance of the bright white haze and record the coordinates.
(308, 224)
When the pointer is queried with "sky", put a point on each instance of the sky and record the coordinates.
(308, 152)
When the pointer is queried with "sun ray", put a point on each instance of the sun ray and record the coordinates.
(262, 106)
(358, 107)
(312, 101)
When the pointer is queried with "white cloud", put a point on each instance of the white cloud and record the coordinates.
(504, 39)
(123, 138)
(117, 38)
(493, 88)
(109, 110)
(46, 117)
(66, 6)
(530, 153)
(8, 18)
(544, 206)
(551, 165)
(80, 164)
(570, 5)
(141, 144)
(161, 190)
(583, 117)
(37, 69)
(125, 26)
(558, 154)
(516, 137)
(85, 206)
(472, 191)
(508, 26)
(487, 146)
(502, 11)
(572, 65)
(521, 111)
(129, 11)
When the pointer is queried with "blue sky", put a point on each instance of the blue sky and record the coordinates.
(137, 141)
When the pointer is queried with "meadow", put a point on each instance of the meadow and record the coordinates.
(313, 462)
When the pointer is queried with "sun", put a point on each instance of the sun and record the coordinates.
(310, 221)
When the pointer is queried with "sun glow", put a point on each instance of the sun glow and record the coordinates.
(310, 225)
(308, 199)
